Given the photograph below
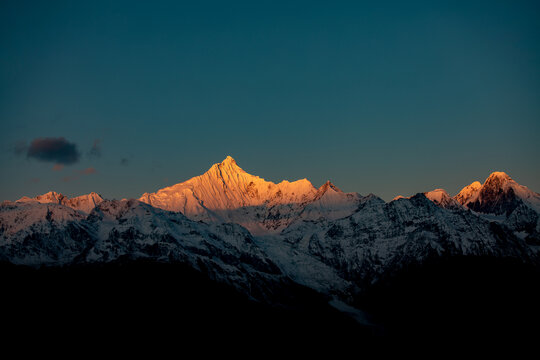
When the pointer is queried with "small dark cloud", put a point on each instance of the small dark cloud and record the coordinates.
(57, 150)
(95, 151)
(124, 161)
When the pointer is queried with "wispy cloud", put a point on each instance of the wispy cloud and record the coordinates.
(95, 151)
(88, 171)
(77, 174)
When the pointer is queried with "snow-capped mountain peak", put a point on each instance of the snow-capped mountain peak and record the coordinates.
(227, 193)
(226, 187)
(327, 188)
(499, 180)
(442, 198)
(84, 203)
(49, 197)
(468, 193)
(497, 195)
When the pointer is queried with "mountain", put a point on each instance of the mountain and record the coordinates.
(330, 202)
(499, 199)
(226, 193)
(34, 233)
(382, 238)
(499, 194)
(502, 199)
(84, 203)
(468, 192)
(272, 242)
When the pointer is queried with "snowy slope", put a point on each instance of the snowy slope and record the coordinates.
(441, 198)
(500, 198)
(33, 233)
(330, 203)
(226, 193)
(381, 238)
(468, 193)
(497, 195)
(37, 234)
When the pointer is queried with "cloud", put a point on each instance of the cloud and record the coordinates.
(58, 167)
(88, 171)
(124, 161)
(77, 174)
(95, 151)
(57, 150)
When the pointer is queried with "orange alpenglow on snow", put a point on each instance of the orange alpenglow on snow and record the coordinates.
(227, 193)
(227, 186)
(442, 198)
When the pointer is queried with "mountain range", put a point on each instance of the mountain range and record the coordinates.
(264, 239)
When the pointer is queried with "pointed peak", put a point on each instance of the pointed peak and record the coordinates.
(229, 160)
(228, 163)
(328, 185)
(327, 188)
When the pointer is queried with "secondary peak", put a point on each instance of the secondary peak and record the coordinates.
(327, 186)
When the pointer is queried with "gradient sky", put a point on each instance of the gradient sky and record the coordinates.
(392, 97)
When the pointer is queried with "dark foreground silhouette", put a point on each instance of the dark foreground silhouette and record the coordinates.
(459, 299)
(141, 301)
(136, 303)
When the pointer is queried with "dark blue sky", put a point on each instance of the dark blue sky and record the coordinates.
(391, 97)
